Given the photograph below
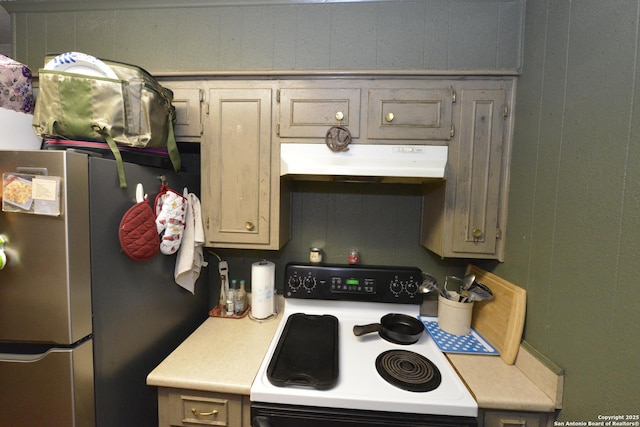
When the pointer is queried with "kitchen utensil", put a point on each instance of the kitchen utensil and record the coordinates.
(307, 353)
(429, 291)
(468, 280)
(479, 292)
(452, 284)
(394, 327)
(429, 284)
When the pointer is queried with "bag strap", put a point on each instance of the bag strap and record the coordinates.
(172, 146)
(102, 130)
(51, 127)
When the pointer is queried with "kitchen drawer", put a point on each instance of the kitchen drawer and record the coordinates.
(516, 419)
(206, 411)
(309, 113)
(410, 114)
(178, 407)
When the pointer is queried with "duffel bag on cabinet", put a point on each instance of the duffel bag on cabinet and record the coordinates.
(83, 98)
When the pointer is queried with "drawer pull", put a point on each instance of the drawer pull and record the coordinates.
(339, 116)
(389, 117)
(249, 226)
(203, 414)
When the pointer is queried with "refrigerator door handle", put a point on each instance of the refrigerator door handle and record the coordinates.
(24, 358)
(3, 257)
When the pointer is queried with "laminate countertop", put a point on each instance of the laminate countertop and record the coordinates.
(224, 354)
(528, 385)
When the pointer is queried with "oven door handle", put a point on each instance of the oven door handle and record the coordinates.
(260, 421)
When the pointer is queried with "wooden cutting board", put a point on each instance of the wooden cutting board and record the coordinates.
(500, 320)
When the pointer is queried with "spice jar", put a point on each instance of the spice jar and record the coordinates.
(315, 255)
(354, 257)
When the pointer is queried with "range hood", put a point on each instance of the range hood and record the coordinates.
(364, 162)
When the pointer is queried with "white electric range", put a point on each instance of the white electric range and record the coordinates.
(355, 295)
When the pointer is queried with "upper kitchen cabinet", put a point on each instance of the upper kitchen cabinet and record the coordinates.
(309, 112)
(188, 101)
(410, 114)
(245, 202)
(465, 216)
(188, 104)
(242, 202)
(375, 111)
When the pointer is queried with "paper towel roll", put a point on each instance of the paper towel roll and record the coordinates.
(263, 275)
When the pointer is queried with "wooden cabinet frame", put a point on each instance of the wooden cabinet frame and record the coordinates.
(244, 121)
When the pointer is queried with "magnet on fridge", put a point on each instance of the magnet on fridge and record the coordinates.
(34, 194)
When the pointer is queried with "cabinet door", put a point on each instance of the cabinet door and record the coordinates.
(478, 172)
(309, 113)
(236, 172)
(411, 114)
(187, 102)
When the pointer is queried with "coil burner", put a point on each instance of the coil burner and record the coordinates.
(408, 370)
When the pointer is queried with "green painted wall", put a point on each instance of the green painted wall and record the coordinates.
(275, 34)
(575, 197)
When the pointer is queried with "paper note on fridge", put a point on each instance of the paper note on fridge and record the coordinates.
(33, 194)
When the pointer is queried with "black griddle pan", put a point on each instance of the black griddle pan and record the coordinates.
(307, 353)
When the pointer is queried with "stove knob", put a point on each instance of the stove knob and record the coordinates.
(294, 283)
(396, 287)
(412, 287)
(309, 283)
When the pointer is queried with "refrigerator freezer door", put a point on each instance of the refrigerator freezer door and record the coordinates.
(50, 389)
(45, 288)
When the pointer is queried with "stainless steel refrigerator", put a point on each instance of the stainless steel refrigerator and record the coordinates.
(81, 324)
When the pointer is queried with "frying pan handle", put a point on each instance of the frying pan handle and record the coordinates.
(359, 330)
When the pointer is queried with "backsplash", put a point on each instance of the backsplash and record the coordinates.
(381, 221)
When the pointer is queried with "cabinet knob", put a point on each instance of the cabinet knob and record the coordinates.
(339, 116)
(389, 117)
(249, 226)
(476, 233)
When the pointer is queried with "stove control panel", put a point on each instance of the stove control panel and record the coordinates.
(353, 283)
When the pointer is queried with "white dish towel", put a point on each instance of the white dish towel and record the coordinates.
(190, 259)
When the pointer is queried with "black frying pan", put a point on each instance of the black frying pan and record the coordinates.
(396, 328)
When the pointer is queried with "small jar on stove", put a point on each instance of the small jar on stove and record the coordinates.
(354, 257)
(315, 255)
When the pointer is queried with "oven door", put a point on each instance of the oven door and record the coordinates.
(276, 415)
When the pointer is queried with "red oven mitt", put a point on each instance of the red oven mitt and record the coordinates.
(137, 233)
